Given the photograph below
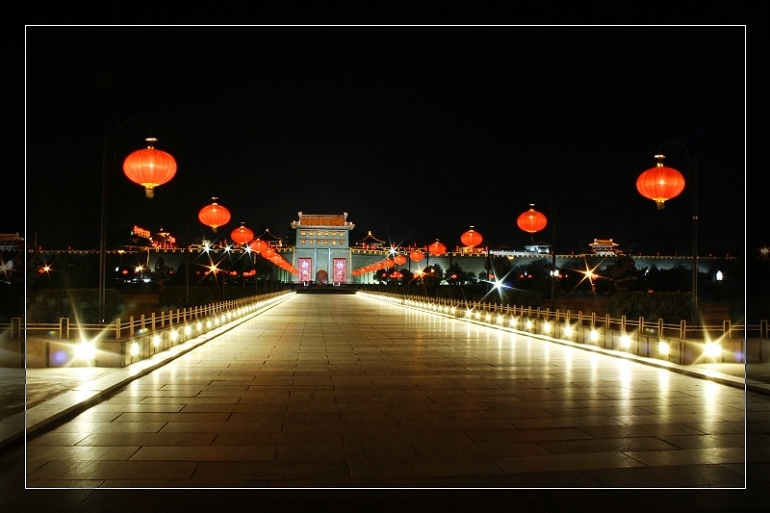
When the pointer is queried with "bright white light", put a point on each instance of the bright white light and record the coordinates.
(187, 329)
(514, 321)
(663, 348)
(625, 341)
(174, 335)
(156, 340)
(547, 327)
(720, 276)
(713, 349)
(500, 319)
(85, 351)
(529, 324)
(134, 348)
(199, 326)
(594, 335)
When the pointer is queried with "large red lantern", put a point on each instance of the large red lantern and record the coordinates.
(214, 215)
(258, 245)
(660, 183)
(437, 248)
(416, 255)
(241, 235)
(471, 238)
(149, 167)
(532, 221)
(399, 259)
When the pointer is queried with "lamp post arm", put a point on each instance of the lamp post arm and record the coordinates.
(692, 179)
(107, 166)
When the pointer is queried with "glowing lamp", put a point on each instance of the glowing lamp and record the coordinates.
(149, 167)
(532, 221)
(416, 255)
(437, 248)
(258, 245)
(471, 238)
(214, 215)
(660, 183)
(399, 260)
(241, 235)
(268, 253)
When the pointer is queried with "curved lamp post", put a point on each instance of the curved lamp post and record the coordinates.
(533, 221)
(150, 166)
(661, 183)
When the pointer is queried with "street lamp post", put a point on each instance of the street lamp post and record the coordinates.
(656, 191)
(145, 164)
(527, 222)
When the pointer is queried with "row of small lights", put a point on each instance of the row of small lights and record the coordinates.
(711, 349)
(86, 349)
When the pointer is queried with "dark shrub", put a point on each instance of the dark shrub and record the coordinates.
(79, 305)
(669, 306)
(173, 297)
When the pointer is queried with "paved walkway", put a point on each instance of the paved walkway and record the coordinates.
(345, 392)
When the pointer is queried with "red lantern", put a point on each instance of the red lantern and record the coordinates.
(437, 248)
(388, 263)
(471, 238)
(660, 183)
(149, 167)
(214, 215)
(268, 253)
(399, 260)
(241, 235)
(258, 245)
(416, 255)
(532, 221)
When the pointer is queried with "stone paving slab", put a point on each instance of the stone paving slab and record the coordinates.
(348, 405)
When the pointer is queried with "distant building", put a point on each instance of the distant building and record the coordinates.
(605, 247)
(322, 247)
(11, 242)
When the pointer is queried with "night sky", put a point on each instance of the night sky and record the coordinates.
(417, 132)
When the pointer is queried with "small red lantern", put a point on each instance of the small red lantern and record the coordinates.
(471, 238)
(416, 255)
(258, 245)
(241, 235)
(214, 215)
(437, 248)
(268, 253)
(149, 167)
(660, 183)
(399, 260)
(532, 221)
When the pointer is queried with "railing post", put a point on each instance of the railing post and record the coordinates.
(64, 331)
(726, 329)
(131, 326)
(683, 329)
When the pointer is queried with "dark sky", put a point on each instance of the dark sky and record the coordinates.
(416, 132)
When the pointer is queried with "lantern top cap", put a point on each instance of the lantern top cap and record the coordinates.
(151, 141)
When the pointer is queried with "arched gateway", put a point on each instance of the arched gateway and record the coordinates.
(323, 244)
